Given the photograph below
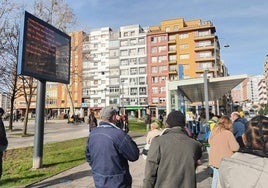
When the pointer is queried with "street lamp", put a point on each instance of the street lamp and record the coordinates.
(122, 99)
(216, 45)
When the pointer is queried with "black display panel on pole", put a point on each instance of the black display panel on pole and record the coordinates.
(44, 51)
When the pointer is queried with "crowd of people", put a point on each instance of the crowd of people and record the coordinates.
(236, 149)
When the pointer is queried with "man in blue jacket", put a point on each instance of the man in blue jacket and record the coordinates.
(108, 151)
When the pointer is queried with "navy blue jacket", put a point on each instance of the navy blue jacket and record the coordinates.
(108, 150)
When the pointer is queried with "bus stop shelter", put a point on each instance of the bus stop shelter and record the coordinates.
(201, 89)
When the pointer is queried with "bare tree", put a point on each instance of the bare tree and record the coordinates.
(60, 15)
(9, 34)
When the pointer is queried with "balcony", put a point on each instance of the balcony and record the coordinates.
(172, 62)
(203, 47)
(204, 37)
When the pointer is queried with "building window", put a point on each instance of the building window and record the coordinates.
(184, 56)
(155, 100)
(162, 58)
(133, 71)
(153, 39)
(162, 38)
(167, 29)
(154, 49)
(171, 37)
(133, 91)
(133, 41)
(172, 58)
(184, 46)
(154, 69)
(141, 50)
(132, 52)
(142, 60)
(176, 28)
(205, 54)
(172, 68)
(162, 68)
(124, 53)
(142, 70)
(124, 62)
(154, 79)
(154, 59)
(141, 40)
(124, 43)
(184, 36)
(162, 48)
(142, 91)
(132, 61)
(172, 48)
(125, 34)
(142, 80)
(203, 33)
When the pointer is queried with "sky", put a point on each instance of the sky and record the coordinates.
(241, 24)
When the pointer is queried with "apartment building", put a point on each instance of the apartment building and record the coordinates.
(262, 90)
(96, 69)
(4, 101)
(133, 70)
(180, 49)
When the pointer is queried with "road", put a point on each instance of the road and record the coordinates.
(54, 131)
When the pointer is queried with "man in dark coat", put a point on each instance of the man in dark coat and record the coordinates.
(172, 157)
(3, 140)
(108, 151)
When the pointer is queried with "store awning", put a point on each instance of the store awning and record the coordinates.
(193, 89)
(133, 107)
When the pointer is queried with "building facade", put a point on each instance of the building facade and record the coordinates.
(129, 67)
(179, 49)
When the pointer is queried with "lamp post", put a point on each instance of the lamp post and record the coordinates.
(122, 99)
(216, 45)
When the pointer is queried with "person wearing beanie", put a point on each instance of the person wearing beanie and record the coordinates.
(108, 151)
(172, 157)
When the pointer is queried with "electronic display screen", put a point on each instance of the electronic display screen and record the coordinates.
(44, 51)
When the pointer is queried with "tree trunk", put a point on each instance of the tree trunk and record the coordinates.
(25, 121)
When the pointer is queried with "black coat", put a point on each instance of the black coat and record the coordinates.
(3, 137)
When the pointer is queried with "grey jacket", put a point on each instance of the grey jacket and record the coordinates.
(171, 160)
(243, 170)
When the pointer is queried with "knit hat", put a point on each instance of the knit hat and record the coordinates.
(175, 118)
(108, 111)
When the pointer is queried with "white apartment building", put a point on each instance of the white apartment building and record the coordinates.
(262, 92)
(4, 101)
(96, 71)
(133, 69)
(252, 88)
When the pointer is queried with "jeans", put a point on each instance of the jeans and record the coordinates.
(215, 177)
